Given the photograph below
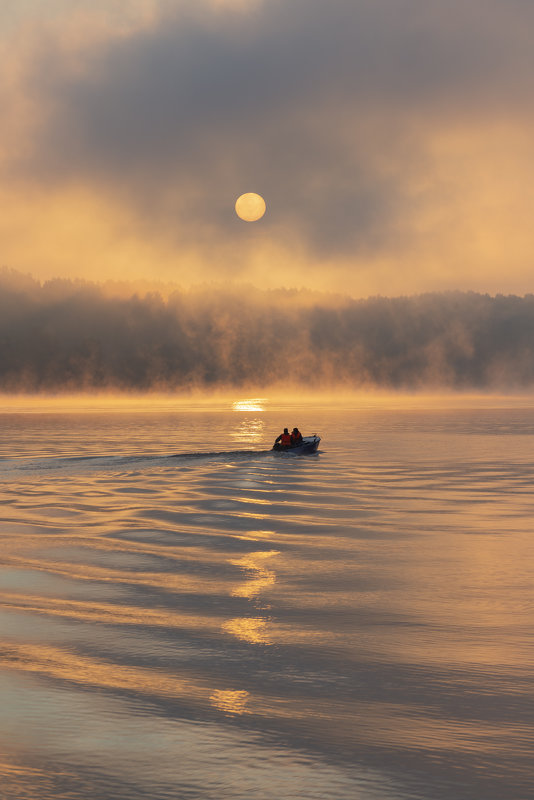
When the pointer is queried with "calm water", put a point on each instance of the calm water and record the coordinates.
(354, 625)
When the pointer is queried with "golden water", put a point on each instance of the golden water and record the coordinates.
(353, 625)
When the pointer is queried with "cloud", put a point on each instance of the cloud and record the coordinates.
(370, 127)
(77, 336)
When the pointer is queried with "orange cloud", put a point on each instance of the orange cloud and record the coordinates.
(388, 166)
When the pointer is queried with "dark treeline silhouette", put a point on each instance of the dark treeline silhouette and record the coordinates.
(73, 336)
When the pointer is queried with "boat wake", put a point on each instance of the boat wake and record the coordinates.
(76, 464)
(10, 467)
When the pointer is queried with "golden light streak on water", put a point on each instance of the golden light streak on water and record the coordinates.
(254, 630)
(180, 583)
(261, 578)
(9, 769)
(258, 501)
(61, 664)
(248, 515)
(108, 613)
(253, 404)
(257, 536)
(231, 702)
(249, 430)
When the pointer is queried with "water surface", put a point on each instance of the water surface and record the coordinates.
(188, 615)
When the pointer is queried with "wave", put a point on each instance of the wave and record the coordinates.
(109, 463)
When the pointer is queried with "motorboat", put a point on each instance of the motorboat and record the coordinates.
(309, 444)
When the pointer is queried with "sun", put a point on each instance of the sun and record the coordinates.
(250, 206)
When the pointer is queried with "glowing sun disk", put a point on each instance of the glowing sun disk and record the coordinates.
(250, 206)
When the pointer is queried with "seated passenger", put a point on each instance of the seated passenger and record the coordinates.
(296, 437)
(284, 439)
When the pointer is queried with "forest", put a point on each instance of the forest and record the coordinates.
(65, 336)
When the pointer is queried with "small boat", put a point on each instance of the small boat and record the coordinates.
(309, 444)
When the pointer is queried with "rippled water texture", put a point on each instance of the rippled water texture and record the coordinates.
(351, 625)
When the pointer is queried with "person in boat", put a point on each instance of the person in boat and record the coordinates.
(296, 437)
(284, 440)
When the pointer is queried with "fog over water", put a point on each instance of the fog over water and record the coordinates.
(71, 335)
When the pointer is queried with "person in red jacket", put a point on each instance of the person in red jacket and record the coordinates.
(296, 437)
(284, 439)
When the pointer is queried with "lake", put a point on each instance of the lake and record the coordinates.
(186, 614)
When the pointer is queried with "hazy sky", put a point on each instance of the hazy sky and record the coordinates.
(392, 140)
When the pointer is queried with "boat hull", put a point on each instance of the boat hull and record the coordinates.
(309, 444)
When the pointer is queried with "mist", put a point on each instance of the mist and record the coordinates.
(392, 142)
(72, 336)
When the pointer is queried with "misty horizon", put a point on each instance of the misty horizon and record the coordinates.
(72, 336)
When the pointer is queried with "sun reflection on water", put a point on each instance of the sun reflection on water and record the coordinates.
(255, 630)
(249, 629)
(251, 404)
(249, 430)
(255, 536)
(231, 702)
(260, 576)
